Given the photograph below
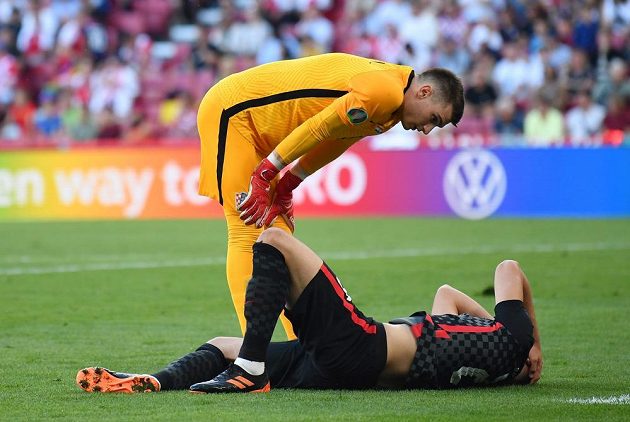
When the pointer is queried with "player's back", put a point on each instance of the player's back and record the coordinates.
(267, 102)
(472, 350)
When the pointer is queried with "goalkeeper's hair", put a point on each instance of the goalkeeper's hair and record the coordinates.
(448, 88)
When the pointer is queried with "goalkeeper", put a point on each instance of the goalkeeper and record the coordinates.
(458, 345)
(254, 123)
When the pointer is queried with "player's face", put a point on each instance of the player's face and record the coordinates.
(422, 111)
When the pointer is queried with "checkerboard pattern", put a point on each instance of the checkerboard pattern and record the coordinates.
(462, 350)
(265, 297)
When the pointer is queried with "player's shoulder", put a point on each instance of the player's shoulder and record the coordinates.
(383, 86)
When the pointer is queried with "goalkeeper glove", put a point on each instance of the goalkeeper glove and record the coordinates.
(255, 204)
(282, 204)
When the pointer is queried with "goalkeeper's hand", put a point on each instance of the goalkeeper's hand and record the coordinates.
(257, 201)
(282, 204)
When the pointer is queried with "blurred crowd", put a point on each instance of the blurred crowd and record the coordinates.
(542, 72)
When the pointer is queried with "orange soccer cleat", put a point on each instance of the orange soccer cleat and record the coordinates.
(103, 380)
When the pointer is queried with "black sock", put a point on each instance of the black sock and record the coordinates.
(264, 299)
(201, 365)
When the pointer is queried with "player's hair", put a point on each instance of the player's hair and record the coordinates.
(449, 88)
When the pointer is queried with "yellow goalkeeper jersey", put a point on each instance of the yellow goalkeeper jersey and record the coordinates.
(330, 96)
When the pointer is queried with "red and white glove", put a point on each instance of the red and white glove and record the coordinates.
(257, 201)
(282, 204)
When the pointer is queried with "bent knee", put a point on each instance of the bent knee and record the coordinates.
(229, 346)
(508, 266)
(220, 341)
(444, 289)
(274, 236)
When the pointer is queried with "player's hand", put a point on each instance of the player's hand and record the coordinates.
(535, 363)
(256, 203)
(282, 204)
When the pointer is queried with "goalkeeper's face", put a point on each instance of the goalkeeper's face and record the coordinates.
(423, 110)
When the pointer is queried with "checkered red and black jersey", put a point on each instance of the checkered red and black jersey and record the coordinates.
(461, 350)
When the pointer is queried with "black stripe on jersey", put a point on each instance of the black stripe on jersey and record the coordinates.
(259, 102)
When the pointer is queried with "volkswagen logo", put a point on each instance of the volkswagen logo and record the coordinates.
(474, 184)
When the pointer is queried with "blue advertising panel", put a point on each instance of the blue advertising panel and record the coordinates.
(564, 182)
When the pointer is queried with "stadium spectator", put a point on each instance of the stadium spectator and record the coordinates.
(452, 23)
(271, 49)
(386, 12)
(585, 30)
(185, 126)
(616, 15)
(47, 119)
(317, 27)
(477, 10)
(38, 29)
(578, 76)
(544, 124)
(109, 128)
(451, 57)
(139, 130)
(71, 110)
(113, 84)
(508, 124)
(76, 78)
(10, 130)
(611, 80)
(458, 344)
(423, 15)
(559, 53)
(246, 34)
(84, 128)
(310, 47)
(485, 35)
(512, 74)
(9, 72)
(170, 108)
(389, 47)
(22, 112)
(476, 121)
(480, 93)
(617, 121)
(67, 43)
(584, 121)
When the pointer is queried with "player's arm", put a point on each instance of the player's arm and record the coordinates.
(535, 357)
(449, 300)
(325, 152)
(255, 208)
(510, 283)
(322, 154)
(371, 95)
(324, 125)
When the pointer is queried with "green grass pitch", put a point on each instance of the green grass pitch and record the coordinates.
(132, 296)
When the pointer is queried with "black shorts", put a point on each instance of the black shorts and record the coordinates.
(338, 347)
(513, 315)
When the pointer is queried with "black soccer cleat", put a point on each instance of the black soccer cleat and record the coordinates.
(234, 380)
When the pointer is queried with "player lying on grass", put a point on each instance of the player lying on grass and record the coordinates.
(459, 344)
